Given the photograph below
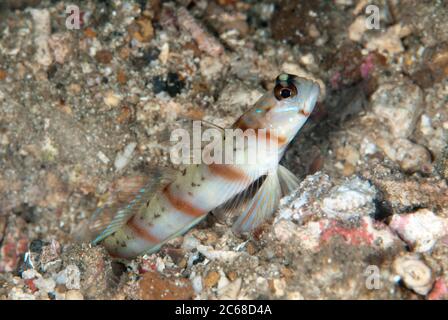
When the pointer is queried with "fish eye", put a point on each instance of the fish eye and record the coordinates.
(283, 92)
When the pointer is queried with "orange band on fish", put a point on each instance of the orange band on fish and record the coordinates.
(141, 232)
(271, 136)
(241, 124)
(180, 204)
(302, 111)
(227, 172)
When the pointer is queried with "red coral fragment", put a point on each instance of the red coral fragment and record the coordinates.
(354, 236)
(439, 291)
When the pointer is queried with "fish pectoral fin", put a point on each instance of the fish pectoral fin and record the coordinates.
(261, 206)
(288, 180)
(126, 197)
(226, 212)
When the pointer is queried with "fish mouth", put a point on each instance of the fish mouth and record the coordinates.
(309, 91)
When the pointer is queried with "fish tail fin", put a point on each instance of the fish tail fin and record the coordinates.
(122, 201)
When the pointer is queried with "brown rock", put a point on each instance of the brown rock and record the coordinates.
(439, 63)
(407, 194)
(89, 33)
(211, 279)
(232, 275)
(434, 68)
(122, 77)
(142, 30)
(3, 74)
(125, 114)
(103, 56)
(124, 53)
(193, 47)
(178, 256)
(286, 272)
(95, 271)
(348, 170)
(154, 286)
(250, 248)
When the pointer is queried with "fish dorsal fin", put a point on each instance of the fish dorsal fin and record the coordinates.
(261, 206)
(288, 180)
(123, 200)
(189, 133)
(188, 122)
(187, 125)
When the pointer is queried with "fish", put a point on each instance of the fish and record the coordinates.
(173, 202)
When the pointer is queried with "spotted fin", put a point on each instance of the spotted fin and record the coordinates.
(261, 206)
(187, 126)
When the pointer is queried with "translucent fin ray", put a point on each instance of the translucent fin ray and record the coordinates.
(235, 205)
(125, 198)
(261, 206)
(288, 181)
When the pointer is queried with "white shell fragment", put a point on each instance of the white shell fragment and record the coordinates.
(352, 199)
(416, 275)
(222, 255)
(42, 31)
(70, 276)
(420, 230)
(230, 292)
(123, 158)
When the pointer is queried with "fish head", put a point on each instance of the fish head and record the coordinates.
(286, 107)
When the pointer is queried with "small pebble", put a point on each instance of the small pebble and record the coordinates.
(123, 158)
(46, 285)
(416, 275)
(353, 198)
(211, 279)
(3, 74)
(230, 292)
(103, 56)
(420, 229)
(112, 99)
(399, 105)
(142, 30)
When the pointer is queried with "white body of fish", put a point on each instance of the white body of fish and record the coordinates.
(164, 210)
